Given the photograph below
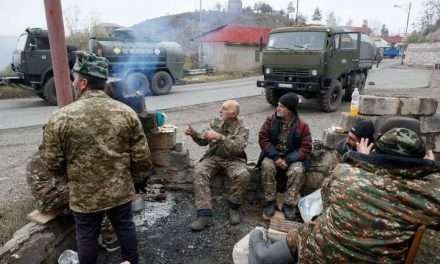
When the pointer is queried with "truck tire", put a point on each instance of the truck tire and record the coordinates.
(161, 83)
(49, 92)
(331, 96)
(137, 81)
(355, 84)
(363, 79)
(272, 96)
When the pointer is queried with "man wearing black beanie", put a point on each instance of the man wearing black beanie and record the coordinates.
(286, 145)
(362, 129)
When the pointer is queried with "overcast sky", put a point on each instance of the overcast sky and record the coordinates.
(16, 15)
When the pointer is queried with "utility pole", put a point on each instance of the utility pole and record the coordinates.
(58, 51)
(407, 20)
(297, 9)
(200, 36)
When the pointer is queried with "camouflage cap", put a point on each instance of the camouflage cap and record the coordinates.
(91, 65)
(401, 142)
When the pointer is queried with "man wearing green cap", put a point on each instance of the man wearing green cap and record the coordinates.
(377, 202)
(98, 145)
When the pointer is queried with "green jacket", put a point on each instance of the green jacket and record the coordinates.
(99, 144)
(232, 144)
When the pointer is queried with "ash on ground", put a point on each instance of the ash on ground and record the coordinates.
(166, 237)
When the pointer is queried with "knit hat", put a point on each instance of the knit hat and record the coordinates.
(364, 129)
(399, 136)
(290, 101)
(91, 65)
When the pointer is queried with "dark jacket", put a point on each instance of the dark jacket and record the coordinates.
(299, 140)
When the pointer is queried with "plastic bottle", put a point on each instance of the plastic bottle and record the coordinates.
(354, 106)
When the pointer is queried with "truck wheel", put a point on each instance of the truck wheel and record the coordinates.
(161, 83)
(362, 81)
(355, 84)
(272, 96)
(49, 92)
(137, 82)
(331, 96)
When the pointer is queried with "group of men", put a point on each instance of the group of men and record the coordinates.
(381, 191)
(286, 145)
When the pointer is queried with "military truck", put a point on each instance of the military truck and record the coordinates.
(32, 63)
(143, 65)
(316, 62)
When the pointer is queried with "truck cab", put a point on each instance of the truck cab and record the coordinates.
(31, 60)
(316, 61)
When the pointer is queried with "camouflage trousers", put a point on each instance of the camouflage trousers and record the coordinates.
(236, 171)
(295, 180)
(50, 193)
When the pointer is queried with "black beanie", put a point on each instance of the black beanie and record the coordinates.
(363, 129)
(290, 101)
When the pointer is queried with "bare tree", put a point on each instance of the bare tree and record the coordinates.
(349, 22)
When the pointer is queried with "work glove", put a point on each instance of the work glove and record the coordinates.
(262, 251)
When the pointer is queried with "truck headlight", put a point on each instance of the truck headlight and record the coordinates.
(314, 72)
(267, 71)
(157, 52)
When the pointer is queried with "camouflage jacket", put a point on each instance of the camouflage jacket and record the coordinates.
(99, 144)
(233, 143)
(373, 214)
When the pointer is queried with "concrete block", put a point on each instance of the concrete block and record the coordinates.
(348, 121)
(330, 138)
(430, 124)
(418, 106)
(378, 105)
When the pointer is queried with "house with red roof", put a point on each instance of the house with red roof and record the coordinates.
(232, 47)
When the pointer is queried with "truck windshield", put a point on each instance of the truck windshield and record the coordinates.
(297, 40)
(21, 42)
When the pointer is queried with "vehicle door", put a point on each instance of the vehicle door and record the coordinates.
(344, 53)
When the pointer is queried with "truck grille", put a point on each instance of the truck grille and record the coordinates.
(293, 73)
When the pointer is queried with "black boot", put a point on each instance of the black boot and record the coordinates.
(269, 210)
(290, 212)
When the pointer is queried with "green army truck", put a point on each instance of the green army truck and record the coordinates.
(316, 62)
(145, 66)
(32, 63)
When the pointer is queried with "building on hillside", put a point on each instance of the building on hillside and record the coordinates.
(235, 6)
(105, 29)
(394, 40)
(231, 48)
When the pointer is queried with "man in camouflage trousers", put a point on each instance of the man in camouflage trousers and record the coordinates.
(227, 138)
(99, 146)
(377, 202)
(286, 145)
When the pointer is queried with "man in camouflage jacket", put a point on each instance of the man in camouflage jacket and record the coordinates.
(98, 144)
(377, 202)
(227, 139)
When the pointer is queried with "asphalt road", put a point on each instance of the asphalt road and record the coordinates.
(18, 113)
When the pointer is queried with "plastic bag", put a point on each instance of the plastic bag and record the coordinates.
(310, 206)
(68, 257)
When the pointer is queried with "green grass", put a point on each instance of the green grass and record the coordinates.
(14, 91)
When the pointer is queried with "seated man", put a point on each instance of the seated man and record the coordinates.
(286, 144)
(377, 202)
(227, 138)
(363, 129)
